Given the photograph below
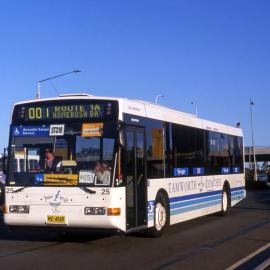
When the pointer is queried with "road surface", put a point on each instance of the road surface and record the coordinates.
(212, 242)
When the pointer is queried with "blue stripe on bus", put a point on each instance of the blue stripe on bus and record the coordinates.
(187, 203)
(194, 207)
(237, 197)
(196, 201)
(237, 188)
(178, 211)
(237, 193)
(190, 208)
(200, 195)
(194, 196)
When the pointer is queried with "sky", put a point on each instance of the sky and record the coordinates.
(215, 54)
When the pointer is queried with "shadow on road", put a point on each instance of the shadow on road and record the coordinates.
(88, 236)
(260, 200)
(55, 236)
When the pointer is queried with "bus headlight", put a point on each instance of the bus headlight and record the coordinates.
(22, 209)
(98, 211)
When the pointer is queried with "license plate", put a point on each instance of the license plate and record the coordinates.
(56, 219)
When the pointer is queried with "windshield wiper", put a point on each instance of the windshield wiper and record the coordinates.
(20, 189)
(87, 190)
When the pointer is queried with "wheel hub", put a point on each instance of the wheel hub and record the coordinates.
(225, 201)
(160, 216)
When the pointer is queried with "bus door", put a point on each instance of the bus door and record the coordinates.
(136, 184)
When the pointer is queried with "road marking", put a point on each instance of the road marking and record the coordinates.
(263, 265)
(245, 259)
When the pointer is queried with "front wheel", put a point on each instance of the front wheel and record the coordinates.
(161, 217)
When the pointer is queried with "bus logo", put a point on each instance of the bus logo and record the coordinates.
(56, 200)
(181, 171)
(225, 170)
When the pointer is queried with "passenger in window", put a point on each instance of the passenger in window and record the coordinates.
(103, 173)
(97, 167)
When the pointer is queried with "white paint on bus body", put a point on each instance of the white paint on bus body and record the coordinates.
(192, 197)
(71, 202)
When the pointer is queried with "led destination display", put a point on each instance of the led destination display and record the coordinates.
(64, 111)
(60, 112)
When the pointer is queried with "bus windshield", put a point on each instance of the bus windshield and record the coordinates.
(63, 155)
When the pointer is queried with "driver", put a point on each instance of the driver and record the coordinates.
(50, 162)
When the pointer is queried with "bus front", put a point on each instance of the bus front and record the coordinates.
(62, 165)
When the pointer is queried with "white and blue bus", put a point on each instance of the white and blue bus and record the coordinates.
(116, 163)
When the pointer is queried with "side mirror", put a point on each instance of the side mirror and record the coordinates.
(121, 130)
(122, 140)
(4, 160)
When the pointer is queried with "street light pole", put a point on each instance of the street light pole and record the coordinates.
(251, 103)
(196, 108)
(50, 78)
(38, 90)
(157, 97)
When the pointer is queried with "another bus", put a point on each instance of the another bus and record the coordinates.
(118, 164)
(2, 179)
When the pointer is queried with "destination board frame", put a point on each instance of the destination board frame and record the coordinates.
(69, 111)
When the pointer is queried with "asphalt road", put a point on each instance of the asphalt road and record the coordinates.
(211, 242)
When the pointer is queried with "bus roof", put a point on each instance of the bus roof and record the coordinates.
(151, 110)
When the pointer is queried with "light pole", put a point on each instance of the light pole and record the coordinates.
(50, 78)
(196, 108)
(251, 103)
(157, 97)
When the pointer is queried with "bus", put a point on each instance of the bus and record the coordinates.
(117, 163)
(2, 179)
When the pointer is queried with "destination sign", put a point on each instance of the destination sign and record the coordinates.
(62, 112)
(65, 111)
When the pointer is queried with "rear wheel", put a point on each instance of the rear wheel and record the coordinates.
(226, 202)
(161, 217)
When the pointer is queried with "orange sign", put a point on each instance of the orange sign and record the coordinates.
(61, 179)
(92, 130)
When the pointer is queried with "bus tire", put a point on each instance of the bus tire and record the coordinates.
(225, 201)
(161, 216)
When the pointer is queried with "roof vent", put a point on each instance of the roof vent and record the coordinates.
(75, 95)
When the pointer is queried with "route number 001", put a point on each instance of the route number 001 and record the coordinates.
(36, 113)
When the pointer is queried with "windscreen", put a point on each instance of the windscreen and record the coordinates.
(63, 144)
